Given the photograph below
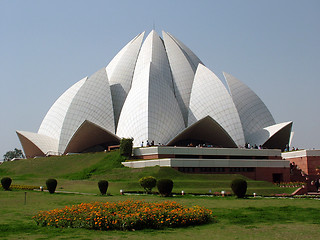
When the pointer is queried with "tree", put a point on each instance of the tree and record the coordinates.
(126, 147)
(16, 153)
(148, 183)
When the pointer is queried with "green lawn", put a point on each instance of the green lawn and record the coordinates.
(80, 173)
(252, 218)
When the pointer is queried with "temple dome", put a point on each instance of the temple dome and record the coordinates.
(155, 89)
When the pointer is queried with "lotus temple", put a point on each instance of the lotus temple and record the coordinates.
(157, 90)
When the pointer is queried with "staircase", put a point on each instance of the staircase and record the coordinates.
(296, 174)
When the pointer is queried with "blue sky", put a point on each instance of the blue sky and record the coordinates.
(272, 46)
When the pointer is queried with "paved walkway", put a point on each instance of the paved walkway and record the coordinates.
(314, 193)
(59, 191)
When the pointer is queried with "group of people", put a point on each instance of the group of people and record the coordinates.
(199, 145)
(248, 146)
(148, 144)
(317, 184)
(287, 149)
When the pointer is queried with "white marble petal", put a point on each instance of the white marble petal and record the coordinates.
(261, 136)
(92, 102)
(52, 123)
(182, 74)
(209, 97)
(114, 62)
(254, 114)
(193, 59)
(35, 144)
(150, 111)
(120, 73)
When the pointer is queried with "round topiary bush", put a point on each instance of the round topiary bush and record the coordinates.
(103, 186)
(6, 182)
(51, 185)
(165, 187)
(239, 187)
(148, 183)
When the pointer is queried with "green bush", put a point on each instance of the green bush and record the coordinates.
(239, 187)
(126, 147)
(148, 183)
(165, 187)
(103, 186)
(6, 182)
(51, 185)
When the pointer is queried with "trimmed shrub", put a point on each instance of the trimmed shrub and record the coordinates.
(165, 187)
(6, 182)
(239, 187)
(126, 147)
(51, 185)
(103, 186)
(148, 183)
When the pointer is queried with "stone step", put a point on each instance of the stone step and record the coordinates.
(313, 193)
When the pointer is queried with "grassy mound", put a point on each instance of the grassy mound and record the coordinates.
(51, 167)
(82, 172)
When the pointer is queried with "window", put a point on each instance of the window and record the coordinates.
(241, 169)
(212, 169)
(186, 169)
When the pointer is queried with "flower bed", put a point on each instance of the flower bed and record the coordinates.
(126, 215)
(281, 195)
(290, 184)
(23, 187)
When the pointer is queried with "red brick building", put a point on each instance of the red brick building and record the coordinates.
(257, 164)
(307, 160)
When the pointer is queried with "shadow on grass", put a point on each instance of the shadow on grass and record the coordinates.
(268, 215)
(16, 228)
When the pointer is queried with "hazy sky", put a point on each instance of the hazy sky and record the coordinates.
(272, 46)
